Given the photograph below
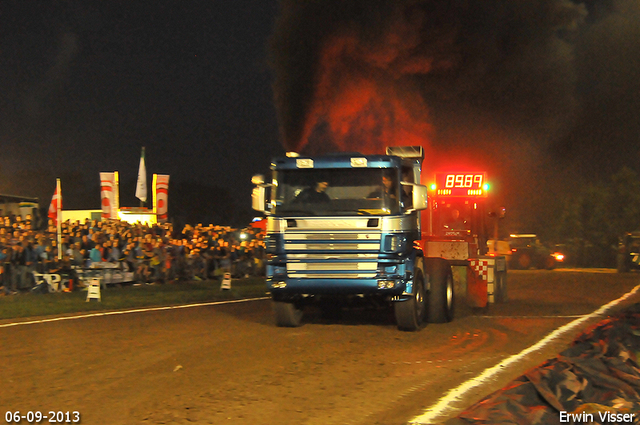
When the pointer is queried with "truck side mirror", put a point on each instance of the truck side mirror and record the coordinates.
(259, 194)
(419, 196)
(501, 213)
(258, 198)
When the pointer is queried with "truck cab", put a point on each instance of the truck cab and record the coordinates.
(345, 225)
(359, 227)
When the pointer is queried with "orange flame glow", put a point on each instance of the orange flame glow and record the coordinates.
(364, 108)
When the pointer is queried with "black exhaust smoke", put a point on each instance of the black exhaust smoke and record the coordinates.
(363, 74)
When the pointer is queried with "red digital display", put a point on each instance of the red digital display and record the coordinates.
(461, 184)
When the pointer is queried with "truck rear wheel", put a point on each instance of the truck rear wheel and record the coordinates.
(287, 314)
(410, 314)
(501, 287)
(550, 263)
(524, 261)
(441, 296)
(622, 263)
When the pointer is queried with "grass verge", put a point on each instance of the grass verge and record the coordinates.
(127, 297)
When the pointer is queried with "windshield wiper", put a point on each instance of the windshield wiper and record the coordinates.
(351, 212)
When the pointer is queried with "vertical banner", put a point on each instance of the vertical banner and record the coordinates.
(55, 214)
(161, 196)
(141, 187)
(109, 194)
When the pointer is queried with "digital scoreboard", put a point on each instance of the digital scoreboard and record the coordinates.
(461, 184)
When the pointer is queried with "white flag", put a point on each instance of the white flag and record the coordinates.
(141, 188)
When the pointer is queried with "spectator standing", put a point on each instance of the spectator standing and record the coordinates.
(106, 250)
(5, 259)
(95, 256)
(18, 266)
(31, 261)
(115, 255)
(38, 250)
(86, 243)
(75, 255)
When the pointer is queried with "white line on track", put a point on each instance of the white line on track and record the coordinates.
(571, 316)
(446, 404)
(137, 310)
(594, 270)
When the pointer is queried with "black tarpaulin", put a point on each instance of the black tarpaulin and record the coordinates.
(597, 374)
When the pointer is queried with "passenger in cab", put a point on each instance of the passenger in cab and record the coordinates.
(387, 190)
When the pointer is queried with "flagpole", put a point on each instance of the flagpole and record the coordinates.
(59, 219)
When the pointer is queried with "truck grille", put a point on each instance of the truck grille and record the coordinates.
(332, 255)
(331, 266)
(332, 246)
(333, 236)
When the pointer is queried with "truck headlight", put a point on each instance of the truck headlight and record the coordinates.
(386, 284)
(394, 243)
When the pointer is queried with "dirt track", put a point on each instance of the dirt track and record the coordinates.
(229, 365)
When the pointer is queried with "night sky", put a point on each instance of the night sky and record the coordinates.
(86, 84)
(543, 94)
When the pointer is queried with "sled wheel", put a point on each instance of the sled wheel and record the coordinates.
(501, 287)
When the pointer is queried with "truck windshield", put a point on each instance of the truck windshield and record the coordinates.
(352, 191)
(453, 216)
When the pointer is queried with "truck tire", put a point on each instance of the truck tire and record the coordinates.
(441, 296)
(501, 287)
(524, 261)
(550, 263)
(622, 263)
(287, 314)
(411, 314)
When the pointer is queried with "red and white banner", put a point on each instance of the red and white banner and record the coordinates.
(56, 204)
(161, 196)
(109, 194)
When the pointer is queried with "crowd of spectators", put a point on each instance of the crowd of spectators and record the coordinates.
(155, 254)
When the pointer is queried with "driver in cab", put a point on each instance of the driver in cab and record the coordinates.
(455, 222)
(315, 194)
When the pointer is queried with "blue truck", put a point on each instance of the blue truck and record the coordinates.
(348, 227)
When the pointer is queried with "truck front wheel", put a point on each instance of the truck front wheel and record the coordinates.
(287, 314)
(441, 296)
(410, 314)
